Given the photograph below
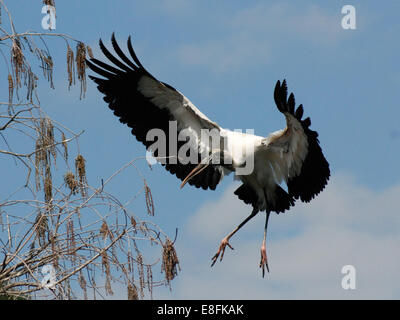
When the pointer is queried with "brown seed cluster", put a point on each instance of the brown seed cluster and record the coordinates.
(81, 66)
(149, 199)
(47, 66)
(65, 146)
(132, 292)
(71, 182)
(54, 249)
(10, 89)
(170, 261)
(83, 284)
(81, 173)
(41, 228)
(49, 137)
(48, 187)
(104, 231)
(77, 63)
(139, 260)
(150, 281)
(71, 242)
(70, 67)
(49, 2)
(106, 268)
(17, 62)
(90, 52)
(44, 151)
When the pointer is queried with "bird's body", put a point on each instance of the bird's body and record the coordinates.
(200, 152)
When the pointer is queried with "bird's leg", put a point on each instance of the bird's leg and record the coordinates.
(225, 241)
(264, 260)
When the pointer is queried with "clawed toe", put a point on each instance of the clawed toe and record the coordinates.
(221, 250)
(264, 261)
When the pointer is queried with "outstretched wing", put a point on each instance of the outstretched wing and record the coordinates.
(144, 103)
(296, 153)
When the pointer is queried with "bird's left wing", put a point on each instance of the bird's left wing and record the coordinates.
(295, 154)
(143, 103)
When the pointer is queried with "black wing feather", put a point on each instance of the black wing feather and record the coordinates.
(121, 54)
(133, 54)
(138, 112)
(315, 170)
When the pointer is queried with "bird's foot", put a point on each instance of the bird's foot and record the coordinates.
(221, 250)
(264, 260)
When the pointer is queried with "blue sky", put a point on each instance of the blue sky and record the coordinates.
(226, 58)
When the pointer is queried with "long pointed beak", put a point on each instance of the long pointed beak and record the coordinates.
(199, 168)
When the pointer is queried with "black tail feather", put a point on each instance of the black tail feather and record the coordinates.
(247, 195)
(282, 201)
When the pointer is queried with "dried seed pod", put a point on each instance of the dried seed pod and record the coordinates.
(30, 83)
(150, 281)
(90, 52)
(50, 141)
(81, 173)
(81, 66)
(139, 260)
(47, 66)
(149, 199)
(39, 156)
(70, 67)
(108, 286)
(49, 2)
(106, 268)
(71, 239)
(10, 89)
(41, 228)
(31, 248)
(48, 186)
(104, 231)
(17, 62)
(83, 284)
(170, 261)
(54, 249)
(94, 287)
(44, 150)
(104, 262)
(71, 182)
(65, 146)
(133, 223)
(132, 292)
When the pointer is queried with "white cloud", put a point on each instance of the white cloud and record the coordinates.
(307, 247)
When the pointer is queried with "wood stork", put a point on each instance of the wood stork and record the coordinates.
(292, 155)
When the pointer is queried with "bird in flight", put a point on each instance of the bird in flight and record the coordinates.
(291, 155)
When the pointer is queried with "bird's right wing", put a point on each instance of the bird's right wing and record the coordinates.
(296, 153)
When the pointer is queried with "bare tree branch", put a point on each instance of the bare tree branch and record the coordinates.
(53, 216)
